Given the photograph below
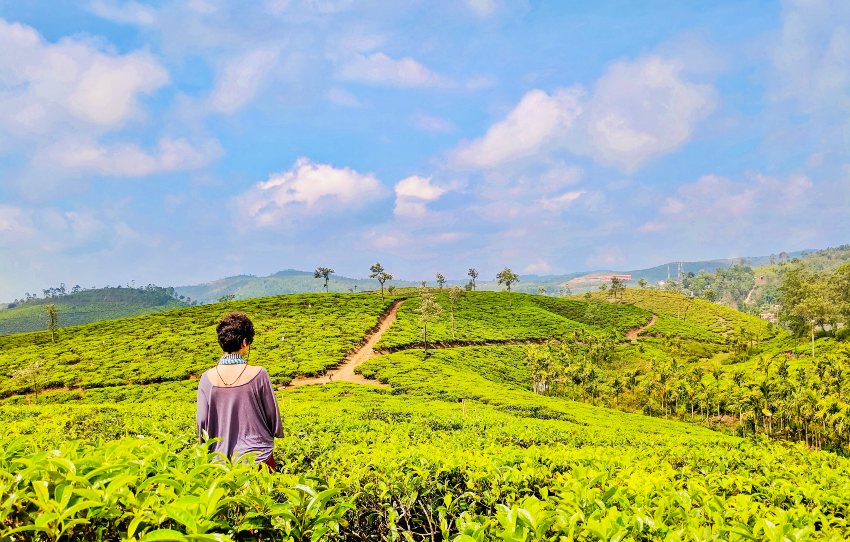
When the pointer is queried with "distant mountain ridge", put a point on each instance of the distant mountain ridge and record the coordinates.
(293, 281)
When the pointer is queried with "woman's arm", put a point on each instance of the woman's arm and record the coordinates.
(202, 411)
(270, 406)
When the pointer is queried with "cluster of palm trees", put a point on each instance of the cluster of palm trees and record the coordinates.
(809, 404)
(570, 367)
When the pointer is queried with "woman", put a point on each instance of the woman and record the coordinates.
(236, 401)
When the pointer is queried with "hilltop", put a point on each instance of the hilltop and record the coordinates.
(292, 281)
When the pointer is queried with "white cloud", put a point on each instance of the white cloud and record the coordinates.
(240, 78)
(380, 69)
(128, 159)
(124, 13)
(343, 98)
(534, 123)
(652, 226)
(482, 8)
(430, 123)
(412, 195)
(54, 84)
(14, 222)
(559, 176)
(637, 110)
(559, 202)
(713, 202)
(54, 231)
(642, 109)
(307, 188)
(607, 256)
(411, 245)
(538, 267)
(812, 55)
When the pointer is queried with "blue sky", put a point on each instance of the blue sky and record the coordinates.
(180, 142)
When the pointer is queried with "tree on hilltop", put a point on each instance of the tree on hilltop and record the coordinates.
(325, 273)
(642, 283)
(381, 275)
(507, 277)
(617, 288)
(441, 280)
(473, 274)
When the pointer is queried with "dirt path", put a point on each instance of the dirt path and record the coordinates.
(633, 333)
(345, 372)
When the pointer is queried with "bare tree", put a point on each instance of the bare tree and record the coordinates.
(323, 272)
(429, 310)
(52, 320)
(473, 274)
(379, 273)
(441, 280)
(32, 375)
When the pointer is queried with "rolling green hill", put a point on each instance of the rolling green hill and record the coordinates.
(458, 447)
(87, 306)
(289, 281)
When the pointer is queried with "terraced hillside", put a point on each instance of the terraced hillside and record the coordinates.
(458, 447)
(86, 306)
(298, 334)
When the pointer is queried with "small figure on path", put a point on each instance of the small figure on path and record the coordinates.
(236, 401)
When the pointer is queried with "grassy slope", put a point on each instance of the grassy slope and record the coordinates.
(696, 319)
(86, 307)
(498, 316)
(298, 334)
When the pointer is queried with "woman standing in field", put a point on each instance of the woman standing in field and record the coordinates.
(236, 401)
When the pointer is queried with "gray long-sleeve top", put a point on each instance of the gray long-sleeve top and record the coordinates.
(245, 417)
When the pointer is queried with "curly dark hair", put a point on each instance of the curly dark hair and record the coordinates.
(234, 328)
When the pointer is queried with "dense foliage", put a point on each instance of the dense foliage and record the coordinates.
(810, 298)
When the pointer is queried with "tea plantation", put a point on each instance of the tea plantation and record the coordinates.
(457, 448)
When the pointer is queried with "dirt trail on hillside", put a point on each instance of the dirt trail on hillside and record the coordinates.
(633, 333)
(345, 372)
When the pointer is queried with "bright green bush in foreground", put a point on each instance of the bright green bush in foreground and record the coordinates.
(412, 466)
(143, 489)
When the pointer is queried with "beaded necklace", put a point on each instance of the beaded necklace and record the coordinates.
(231, 359)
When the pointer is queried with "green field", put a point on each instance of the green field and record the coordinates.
(458, 447)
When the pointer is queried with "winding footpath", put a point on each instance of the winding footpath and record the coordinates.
(633, 333)
(366, 351)
(345, 372)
